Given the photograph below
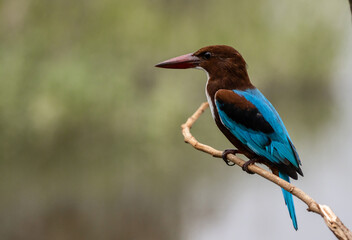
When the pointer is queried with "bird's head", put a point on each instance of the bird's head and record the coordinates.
(217, 59)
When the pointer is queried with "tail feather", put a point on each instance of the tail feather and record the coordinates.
(289, 200)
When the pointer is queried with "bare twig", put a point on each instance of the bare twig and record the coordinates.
(331, 220)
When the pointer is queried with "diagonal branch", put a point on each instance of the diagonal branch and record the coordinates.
(331, 220)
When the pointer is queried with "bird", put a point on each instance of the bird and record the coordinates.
(243, 114)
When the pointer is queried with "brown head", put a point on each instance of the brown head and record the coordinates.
(219, 61)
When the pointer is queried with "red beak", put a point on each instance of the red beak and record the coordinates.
(181, 62)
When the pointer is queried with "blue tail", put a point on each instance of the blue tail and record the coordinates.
(289, 201)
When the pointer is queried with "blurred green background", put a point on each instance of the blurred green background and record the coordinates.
(91, 146)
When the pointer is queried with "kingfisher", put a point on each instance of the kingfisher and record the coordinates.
(242, 113)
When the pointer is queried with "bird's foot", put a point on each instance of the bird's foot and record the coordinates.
(227, 152)
(246, 164)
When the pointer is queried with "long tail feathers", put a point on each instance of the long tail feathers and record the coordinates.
(289, 201)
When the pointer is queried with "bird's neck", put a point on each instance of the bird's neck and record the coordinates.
(231, 83)
(216, 83)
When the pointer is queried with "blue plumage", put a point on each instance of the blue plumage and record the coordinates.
(274, 145)
(289, 200)
(280, 147)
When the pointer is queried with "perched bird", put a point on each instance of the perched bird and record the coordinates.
(243, 114)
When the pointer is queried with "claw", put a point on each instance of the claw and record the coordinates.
(227, 152)
(246, 164)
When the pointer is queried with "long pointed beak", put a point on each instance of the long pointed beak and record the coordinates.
(181, 62)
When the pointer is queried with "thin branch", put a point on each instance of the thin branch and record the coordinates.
(331, 220)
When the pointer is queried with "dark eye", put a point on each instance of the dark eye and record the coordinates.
(207, 55)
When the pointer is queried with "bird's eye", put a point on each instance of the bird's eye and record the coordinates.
(207, 55)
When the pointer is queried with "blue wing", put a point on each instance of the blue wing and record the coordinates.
(251, 118)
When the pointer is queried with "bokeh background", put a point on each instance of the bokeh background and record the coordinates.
(90, 137)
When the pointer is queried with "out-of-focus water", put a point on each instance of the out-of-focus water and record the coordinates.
(259, 211)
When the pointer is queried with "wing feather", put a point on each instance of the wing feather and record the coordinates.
(251, 118)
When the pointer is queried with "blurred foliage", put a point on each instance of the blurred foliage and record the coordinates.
(90, 140)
